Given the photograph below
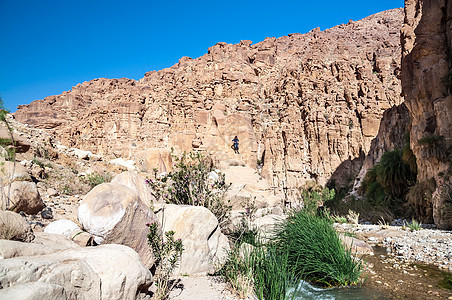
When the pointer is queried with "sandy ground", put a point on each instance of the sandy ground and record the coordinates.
(202, 287)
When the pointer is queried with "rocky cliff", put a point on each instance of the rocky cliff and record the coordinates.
(305, 107)
(427, 87)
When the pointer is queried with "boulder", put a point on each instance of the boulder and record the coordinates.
(128, 164)
(249, 188)
(64, 227)
(114, 213)
(43, 238)
(154, 158)
(13, 171)
(34, 291)
(204, 245)
(40, 246)
(21, 145)
(82, 238)
(14, 227)
(357, 246)
(136, 183)
(103, 272)
(46, 213)
(81, 154)
(24, 196)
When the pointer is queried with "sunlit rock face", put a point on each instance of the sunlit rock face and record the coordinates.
(305, 106)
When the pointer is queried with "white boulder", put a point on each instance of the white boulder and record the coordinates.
(204, 245)
(114, 214)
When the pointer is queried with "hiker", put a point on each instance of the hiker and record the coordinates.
(235, 146)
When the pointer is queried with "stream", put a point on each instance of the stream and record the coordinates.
(309, 292)
(413, 282)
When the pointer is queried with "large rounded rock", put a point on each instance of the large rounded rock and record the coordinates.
(103, 272)
(14, 227)
(43, 244)
(12, 171)
(204, 244)
(114, 214)
(136, 183)
(154, 158)
(24, 196)
(64, 227)
(34, 291)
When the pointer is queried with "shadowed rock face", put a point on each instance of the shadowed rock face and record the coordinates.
(427, 87)
(301, 104)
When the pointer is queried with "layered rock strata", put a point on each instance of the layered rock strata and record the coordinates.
(301, 105)
(427, 87)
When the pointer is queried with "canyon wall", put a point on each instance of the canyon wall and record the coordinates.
(304, 106)
(427, 87)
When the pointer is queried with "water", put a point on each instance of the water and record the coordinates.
(307, 291)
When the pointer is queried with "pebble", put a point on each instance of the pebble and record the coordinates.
(428, 245)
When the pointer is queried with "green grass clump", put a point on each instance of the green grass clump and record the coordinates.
(305, 246)
(271, 273)
(38, 162)
(95, 179)
(5, 142)
(315, 251)
(414, 225)
(339, 219)
(261, 270)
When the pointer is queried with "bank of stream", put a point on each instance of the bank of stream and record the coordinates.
(387, 277)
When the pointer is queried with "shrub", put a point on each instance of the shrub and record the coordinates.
(433, 146)
(393, 174)
(414, 225)
(167, 252)
(339, 219)
(353, 217)
(5, 142)
(315, 252)
(95, 179)
(316, 196)
(67, 190)
(271, 273)
(9, 228)
(38, 162)
(244, 233)
(419, 198)
(189, 184)
(238, 272)
(387, 182)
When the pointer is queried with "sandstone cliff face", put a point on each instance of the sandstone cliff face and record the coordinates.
(306, 106)
(427, 87)
(394, 124)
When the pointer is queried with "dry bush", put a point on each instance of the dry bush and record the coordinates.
(419, 199)
(10, 228)
(433, 146)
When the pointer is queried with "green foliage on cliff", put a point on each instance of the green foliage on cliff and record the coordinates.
(388, 181)
(433, 146)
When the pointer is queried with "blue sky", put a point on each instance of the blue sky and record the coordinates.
(49, 46)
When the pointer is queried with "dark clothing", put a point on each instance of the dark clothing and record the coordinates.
(236, 145)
